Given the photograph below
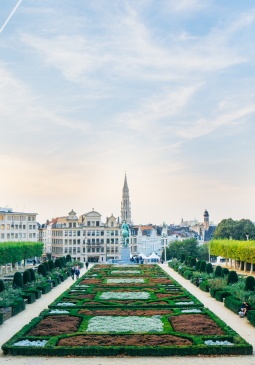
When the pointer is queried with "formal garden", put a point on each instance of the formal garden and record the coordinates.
(28, 286)
(223, 284)
(134, 310)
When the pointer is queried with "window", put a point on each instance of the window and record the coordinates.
(93, 249)
(89, 241)
(74, 225)
(93, 233)
(112, 233)
(108, 240)
(2, 235)
(66, 242)
(30, 226)
(83, 249)
(84, 233)
(70, 233)
(97, 240)
(2, 226)
(29, 219)
(20, 235)
(66, 233)
(66, 249)
(97, 233)
(8, 226)
(20, 226)
(34, 226)
(97, 249)
(70, 249)
(70, 242)
(12, 235)
(74, 233)
(97, 223)
(8, 235)
(78, 233)
(102, 233)
(116, 241)
(89, 250)
(111, 224)
(78, 242)
(112, 241)
(107, 233)
(1, 217)
(34, 235)
(88, 224)
(33, 219)
(83, 242)
(16, 226)
(89, 233)
(93, 223)
(93, 241)
(70, 225)
(74, 242)
(74, 250)
(102, 249)
(116, 233)
(78, 249)
(16, 235)
(102, 241)
(24, 235)
(24, 226)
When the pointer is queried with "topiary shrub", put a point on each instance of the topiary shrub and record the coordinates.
(232, 277)
(209, 268)
(32, 274)
(182, 257)
(62, 261)
(58, 263)
(193, 262)
(202, 266)
(69, 259)
(221, 294)
(51, 265)
(42, 270)
(249, 283)
(46, 266)
(204, 286)
(225, 271)
(17, 279)
(198, 265)
(218, 271)
(1, 286)
(26, 277)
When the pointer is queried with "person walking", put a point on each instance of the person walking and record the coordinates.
(72, 272)
(77, 272)
(87, 265)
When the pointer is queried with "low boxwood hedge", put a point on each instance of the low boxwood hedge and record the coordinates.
(221, 294)
(232, 303)
(45, 288)
(204, 286)
(29, 296)
(251, 317)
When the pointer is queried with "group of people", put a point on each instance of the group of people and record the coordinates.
(75, 270)
(243, 310)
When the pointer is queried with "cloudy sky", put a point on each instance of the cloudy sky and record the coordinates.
(163, 89)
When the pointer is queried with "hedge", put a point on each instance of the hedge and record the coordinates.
(204, 286)
(251, 317)
(45, 288)
(233, 249)
(29, 296)
(18, 251)
(221, 294)
(233, 304)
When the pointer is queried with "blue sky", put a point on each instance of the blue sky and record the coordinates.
(162, 89)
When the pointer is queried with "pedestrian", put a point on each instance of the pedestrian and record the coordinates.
(87, 265)
(77, 272)
(72, 272)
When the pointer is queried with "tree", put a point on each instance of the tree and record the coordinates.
(188, 247)
(235, 229)
(203, 252)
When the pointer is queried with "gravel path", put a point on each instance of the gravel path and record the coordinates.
(240, 325)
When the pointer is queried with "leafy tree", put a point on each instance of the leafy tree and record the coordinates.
(236, 229)
(225, 271)
(188, 247)
(198, 265)
(203, 252)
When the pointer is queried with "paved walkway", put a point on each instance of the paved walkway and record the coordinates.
(240, 325)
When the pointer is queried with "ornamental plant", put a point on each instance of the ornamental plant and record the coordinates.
(232, 277)
(17, 279)
(45, 263)
(202, 266)
(218, 271)
(32, 274)
(26, 277)
(182, 257)
(249, 283)
(58, 263)
(225, 271)
(51, 265)
(68, 258)
(42, 270)
(193, 262)
(198, 265)
(1, 286)
(209, 268)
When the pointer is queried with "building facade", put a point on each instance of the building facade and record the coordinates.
(17, 227)
(125, 204)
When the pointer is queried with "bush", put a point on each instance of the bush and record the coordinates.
(51, 265)
(17, 279)
(218, 271)
(249, 283)
(220, 294)
(232, 277)
(193, 262)
(26, 277)
(29, 296)
(198, 265)
(45, 263)
(58, 263)
(204, 286)
(42, 270)
(251, 317)
(225, 271)
(182, 257)
(209, 268)
(1, 286)
(233, 304)
(202, 266)
(188, 274)
(213, 292)
(32, 274)
(63, 261)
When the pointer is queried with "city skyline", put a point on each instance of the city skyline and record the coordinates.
(91, 89)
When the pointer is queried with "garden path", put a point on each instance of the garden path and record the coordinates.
(242, 326)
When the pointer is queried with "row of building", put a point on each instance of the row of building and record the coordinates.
(88, 238)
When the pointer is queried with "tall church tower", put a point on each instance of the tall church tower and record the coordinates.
(206, 220)
(125, 204)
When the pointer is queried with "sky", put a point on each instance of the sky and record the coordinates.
(161, 89)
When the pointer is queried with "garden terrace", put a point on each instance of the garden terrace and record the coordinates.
(135, 319)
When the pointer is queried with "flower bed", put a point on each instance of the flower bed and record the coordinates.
(152, 317)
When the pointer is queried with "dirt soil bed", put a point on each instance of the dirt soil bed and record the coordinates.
(56, 325)
(125, 312)
(124, 340)
(195, 324)
(160, 281)
(162, 295)
(155, 303)
(128, 285)
(65, 299)
(84, 296)
(121, 290)
(91, 281)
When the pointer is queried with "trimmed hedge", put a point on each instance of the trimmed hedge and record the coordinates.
(29, 296)
(26, 277)
(204, 286)
(233, 249)
(249, 283)
(233, 304)
(45, 288)
(17, 279)
(251, 317)
(218, 271)
(1, 286)
(232, 277)
(18, 251)
(221, 294)
(42, 270)
(32, 274)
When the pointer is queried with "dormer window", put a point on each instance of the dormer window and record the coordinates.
(111, 224)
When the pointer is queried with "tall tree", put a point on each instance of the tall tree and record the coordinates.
(235, 229)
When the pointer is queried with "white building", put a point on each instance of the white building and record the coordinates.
(144, 239)
(17, 227)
